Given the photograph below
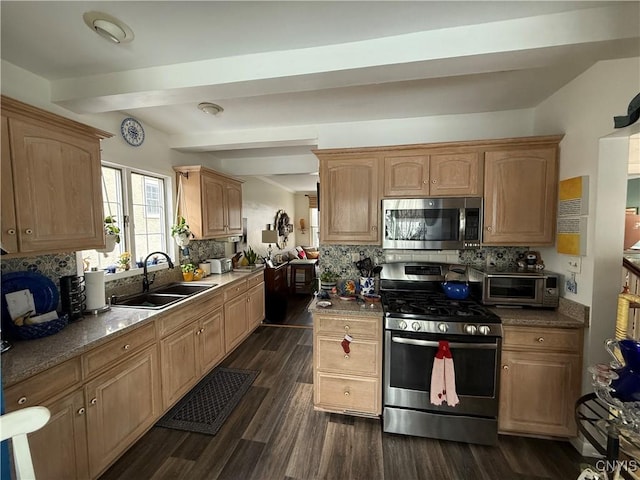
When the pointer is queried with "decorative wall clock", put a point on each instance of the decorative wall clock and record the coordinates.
(281, 226)
(132, 132)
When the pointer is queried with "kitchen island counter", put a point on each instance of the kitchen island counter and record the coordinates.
(29, 357)
(347, 307)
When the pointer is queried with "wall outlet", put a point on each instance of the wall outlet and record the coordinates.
(572, 286)
(574, 264)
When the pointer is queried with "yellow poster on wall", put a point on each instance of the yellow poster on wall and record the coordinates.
(573, 207)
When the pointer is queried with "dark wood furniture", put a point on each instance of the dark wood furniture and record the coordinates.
(276, 290)
(303, 275)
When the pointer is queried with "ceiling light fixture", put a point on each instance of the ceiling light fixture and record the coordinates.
(108, 27)
(210, 108)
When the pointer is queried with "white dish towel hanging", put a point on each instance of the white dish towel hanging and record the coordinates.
(443, 377)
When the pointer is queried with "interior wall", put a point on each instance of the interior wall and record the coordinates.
(584, 110)
(260, 203)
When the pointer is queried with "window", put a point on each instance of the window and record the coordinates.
(138, 201)
(313, 228)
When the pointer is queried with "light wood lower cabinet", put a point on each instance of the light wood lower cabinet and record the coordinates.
(243, 310)
(256, 306)
(122, 404)
(540, 380)
(195, 348)
(349, 383)
(59, 449)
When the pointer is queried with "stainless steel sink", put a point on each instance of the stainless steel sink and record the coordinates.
(184, 288)
(161, 297)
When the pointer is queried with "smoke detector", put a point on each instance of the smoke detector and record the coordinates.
(108, 27)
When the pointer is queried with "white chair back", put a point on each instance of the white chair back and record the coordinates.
(16, 425)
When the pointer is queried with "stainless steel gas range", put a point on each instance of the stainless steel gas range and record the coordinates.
(417, 316)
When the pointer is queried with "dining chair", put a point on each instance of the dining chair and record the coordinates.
(15, 426)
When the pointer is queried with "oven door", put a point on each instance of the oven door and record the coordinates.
(408, 362)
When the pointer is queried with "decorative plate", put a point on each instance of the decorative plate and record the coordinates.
(44, 291)
(348, 288)
(132, 131)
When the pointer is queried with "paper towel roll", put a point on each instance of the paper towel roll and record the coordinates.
(95, 289)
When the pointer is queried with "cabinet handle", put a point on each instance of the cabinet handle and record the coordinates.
(22, 400)
(29, 231)
(94, 401)
(505, 367)
(81, 411)
(425, 182)
(198, 332)
(346, 328)
(434, 181)
(346, 355)
(248, 299)
(202, 330)
(540, 339)
(488, 229)
(127, 347)
(11, 231)
(374, 228)
(347, 393)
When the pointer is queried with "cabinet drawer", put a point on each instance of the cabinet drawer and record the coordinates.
(545, 339)
(255, 280)
(44, 386)
(348, 394)
(361, 360)
(234, 290)
(357, 327)
(114, 351)
(176, 319)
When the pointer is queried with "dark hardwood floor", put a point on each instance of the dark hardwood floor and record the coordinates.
(274, 433)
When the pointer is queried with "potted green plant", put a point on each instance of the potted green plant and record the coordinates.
(181, 232)
(187, 271)
(111, 234)
(328, 280)
(250, 256)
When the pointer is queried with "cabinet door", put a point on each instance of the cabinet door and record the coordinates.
(538, 392)
(59, 449)
(406, 175)
(8, 211)
(520, 197)
(350, 202)
(58, 195)
(236, 322)
(179, 363)
(122, 404)
(214, 218)
(455, 175)
(211, 340)
(234, 208)
(256, 309)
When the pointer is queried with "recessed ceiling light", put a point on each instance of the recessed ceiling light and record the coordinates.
(210, 108)
(108, 27)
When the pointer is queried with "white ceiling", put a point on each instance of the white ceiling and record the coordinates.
(280, 69)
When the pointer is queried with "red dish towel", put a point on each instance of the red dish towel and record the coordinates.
(443, 377)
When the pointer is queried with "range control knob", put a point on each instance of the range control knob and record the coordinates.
(402, 324)
(443, 327)
(470, 329)
(484, 330)
(415, 326)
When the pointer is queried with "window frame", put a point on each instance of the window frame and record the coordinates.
(125, 224)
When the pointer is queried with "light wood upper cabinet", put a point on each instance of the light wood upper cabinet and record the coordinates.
(424, 173)
(52, 194)
(455, 174)
(349, 198)
(520, 198)
(406, 175)
(212, 202)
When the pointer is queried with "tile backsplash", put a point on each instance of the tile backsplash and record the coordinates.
(338, 258)
(52, 266)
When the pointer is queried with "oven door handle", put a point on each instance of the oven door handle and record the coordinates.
(430, 343)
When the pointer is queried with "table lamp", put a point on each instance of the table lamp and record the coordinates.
(269, 236)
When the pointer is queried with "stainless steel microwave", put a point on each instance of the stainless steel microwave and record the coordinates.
(517, 288)
(432, 223)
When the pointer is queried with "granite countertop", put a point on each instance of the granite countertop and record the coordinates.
(347, 307)
(568, 315)
(29, 357)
